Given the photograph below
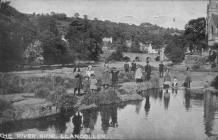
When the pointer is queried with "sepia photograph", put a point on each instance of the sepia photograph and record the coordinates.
(109, 69)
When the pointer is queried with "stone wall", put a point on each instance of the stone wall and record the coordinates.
(191, 60)
(142, 57)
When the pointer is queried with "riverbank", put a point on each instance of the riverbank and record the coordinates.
(41, 99)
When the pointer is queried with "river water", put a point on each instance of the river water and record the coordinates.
(177, 115)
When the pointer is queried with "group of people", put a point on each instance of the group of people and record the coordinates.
(164, 73)
(89, 82)
(168, 82)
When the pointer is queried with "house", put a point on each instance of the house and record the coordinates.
(106, 43)
(147, 48)
(212, 22)
(128, 43)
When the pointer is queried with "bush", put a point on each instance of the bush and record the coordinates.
(214, 83)
(157, 58)
(118, 56)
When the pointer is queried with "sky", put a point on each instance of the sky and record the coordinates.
(165, 13)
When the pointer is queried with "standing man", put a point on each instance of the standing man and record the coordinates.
(133, 68)
(161, 69)
(126, 67)
(147, 71)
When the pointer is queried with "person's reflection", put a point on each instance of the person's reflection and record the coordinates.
(160, 94)
(60, 123)
(166, 99)
(108, 112)
(175, 90)
(77, 121)
(89, 120)
(113, 114)
(187, 99)
(138, 107)
(147, 104)
(105, 118)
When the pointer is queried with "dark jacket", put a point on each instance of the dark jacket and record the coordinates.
(148, 69)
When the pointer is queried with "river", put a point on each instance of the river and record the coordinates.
(178, 115)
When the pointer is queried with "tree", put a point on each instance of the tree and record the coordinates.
(195, 34)
(55, 51)
(175, 50)
(76, 15)
(85, 39)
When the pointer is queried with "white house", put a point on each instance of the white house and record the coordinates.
(147, 48)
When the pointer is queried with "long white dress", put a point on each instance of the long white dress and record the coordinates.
(138, 73)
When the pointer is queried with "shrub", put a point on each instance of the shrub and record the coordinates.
(118, 56)
(214, 83)
(157, 58)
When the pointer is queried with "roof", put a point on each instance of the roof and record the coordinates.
(215, 19)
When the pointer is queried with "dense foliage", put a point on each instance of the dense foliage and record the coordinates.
(195, 34)
(83, 37)
(14, 36)
(215, 83)
(194, 39)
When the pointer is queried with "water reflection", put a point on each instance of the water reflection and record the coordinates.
(130, 115)
(166, 99)
(160, 95)
(147, 105)
(77, 122)
(187, 97)
(89, 120)
(108, 112)
(211, 114)
(138, 107)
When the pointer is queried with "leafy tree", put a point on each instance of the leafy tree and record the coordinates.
(175, 51)
(195, 34)
(85, 38)
(55, 51)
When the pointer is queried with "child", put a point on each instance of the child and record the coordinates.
(86, 84)
(175, 82)
(93, 84)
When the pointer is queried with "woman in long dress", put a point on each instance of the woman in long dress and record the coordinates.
(77, 80)
(167, 80)
(188, 78)
(138, 77)
(106, 77)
